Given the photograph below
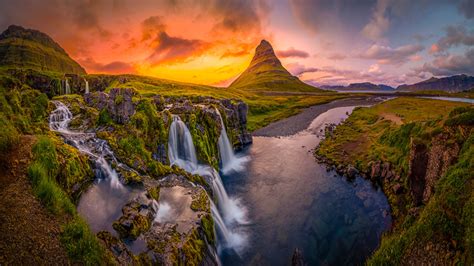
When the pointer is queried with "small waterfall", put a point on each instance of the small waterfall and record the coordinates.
(182, 153)
(231, 240)
(67, 87)
(87, 143)
(229, 161)
(87, 85)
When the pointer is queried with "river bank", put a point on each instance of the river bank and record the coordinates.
(294, 124)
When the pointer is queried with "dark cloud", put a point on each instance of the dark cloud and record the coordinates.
(388, 55)
(455, 35)
(115, 67)
(292, 52)
(448, 65)
(151, 26)
(466, 7)
(167, 48)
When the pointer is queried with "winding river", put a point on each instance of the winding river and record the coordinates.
(294, 202)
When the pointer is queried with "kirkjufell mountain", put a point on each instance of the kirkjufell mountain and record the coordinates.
(27, 48)
(266, 72)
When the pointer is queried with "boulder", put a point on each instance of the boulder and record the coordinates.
(136, 219)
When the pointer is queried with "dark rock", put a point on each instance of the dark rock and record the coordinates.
(418, 162)
(351, 172)
(121, 106)
(297, 258)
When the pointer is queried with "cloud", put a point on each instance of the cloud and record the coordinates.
(167, 48)
(379, 23)
(388, 55)
(115, 67)
(466, 7)
(455, 36)
(151, 26)
(298, 69)
(292, 52)
(337, 56)
(447, 65)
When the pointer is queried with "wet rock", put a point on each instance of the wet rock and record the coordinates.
(136, 219)
(297, 258)
(119, 250)
(351, 172)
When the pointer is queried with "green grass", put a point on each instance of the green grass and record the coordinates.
(80, 243)
(449, 215)
(384, 132)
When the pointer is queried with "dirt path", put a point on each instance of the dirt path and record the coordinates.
(301, 121)
(29, 234)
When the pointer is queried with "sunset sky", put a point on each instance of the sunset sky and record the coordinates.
(211, 42)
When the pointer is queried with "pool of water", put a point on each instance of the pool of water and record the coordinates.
(294, 202)
(452, 99)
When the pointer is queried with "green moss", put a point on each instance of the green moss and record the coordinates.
(154, 192)
(200, 202)
(104, 118)
(10, 136)
(140, 224)
(207, 224)
(192, 250)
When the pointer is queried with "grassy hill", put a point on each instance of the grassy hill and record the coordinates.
(32, 49)
(266, 73)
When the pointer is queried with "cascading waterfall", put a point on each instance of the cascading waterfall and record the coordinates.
(87, 143)
(182, 153)
(230, 162)
(87, 85)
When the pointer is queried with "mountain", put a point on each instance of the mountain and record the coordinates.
(364, 86)
(266, 72)
(456, 83)
(32, 49)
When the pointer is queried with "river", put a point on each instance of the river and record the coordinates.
(294, 202)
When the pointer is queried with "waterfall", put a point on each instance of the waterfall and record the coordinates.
(87, 85)
(181, 152)
(231, 240)
(87, 143)
(67, 87)
(230, 162)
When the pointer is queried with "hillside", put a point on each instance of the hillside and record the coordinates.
(32, 49)
(266, 73)
(457, 83)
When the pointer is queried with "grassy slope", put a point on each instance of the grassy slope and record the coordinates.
(383, 132)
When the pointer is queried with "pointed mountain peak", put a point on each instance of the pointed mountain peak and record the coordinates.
(266, 72)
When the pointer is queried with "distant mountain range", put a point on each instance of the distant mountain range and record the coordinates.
(364, 86)
(457, 83)
(266, 73)
(26, 48)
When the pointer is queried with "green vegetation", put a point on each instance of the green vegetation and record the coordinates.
(79, 241)
(81, 244)
(25, 48)
(385, 133)
(207, 224)
(200, 202)
(448, 215)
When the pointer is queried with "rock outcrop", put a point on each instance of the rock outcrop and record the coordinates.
(118, 103)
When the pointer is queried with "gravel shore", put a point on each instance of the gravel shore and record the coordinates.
(301, 121)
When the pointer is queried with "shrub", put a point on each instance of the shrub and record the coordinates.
(9, 136)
